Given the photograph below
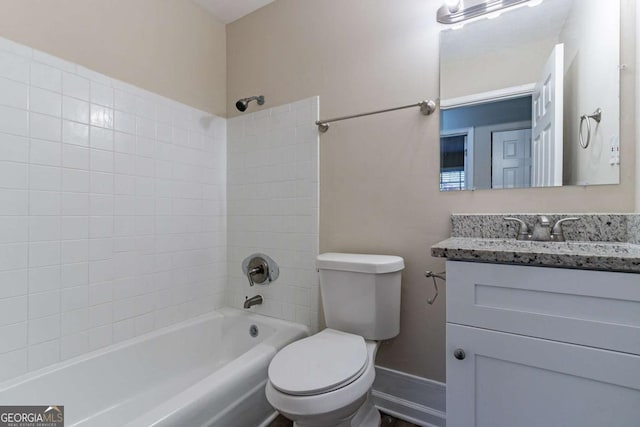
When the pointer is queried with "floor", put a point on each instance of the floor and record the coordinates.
(387, 421)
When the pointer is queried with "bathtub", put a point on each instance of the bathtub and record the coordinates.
(208, 371)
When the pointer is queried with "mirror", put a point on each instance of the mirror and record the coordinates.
(519, 97)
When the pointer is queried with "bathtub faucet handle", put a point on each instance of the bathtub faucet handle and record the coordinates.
(260, 269)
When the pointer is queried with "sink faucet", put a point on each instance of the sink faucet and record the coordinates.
(249, 302)
(542, 230)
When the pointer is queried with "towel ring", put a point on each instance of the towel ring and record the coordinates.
(597, 116)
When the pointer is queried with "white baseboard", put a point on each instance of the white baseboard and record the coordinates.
(408, 397)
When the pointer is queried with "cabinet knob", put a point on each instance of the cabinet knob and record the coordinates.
(459, 354)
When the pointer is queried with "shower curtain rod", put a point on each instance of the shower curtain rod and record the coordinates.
(427, 107)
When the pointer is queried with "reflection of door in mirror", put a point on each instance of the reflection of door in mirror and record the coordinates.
(456, 148)
(511, 159)
(547, 122)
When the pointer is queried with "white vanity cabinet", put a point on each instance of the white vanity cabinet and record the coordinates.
(537, 346)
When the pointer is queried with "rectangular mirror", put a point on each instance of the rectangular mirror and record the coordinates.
(531, 98)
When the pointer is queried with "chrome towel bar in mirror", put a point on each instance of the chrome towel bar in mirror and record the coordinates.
(597, 116)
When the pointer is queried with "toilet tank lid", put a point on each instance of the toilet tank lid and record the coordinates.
(360, 263)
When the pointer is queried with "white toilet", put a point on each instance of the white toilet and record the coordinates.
(325, 380)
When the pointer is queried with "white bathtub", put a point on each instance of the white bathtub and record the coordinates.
(206, 371)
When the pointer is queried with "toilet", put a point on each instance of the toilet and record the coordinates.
(325, 380)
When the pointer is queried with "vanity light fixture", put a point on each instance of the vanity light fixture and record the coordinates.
(458, 11)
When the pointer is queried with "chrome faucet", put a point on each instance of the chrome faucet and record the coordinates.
(542, 229)
(249, 302)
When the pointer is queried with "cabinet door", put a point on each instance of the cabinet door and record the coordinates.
(508, 380)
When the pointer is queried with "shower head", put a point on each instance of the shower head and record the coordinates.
(243, 103)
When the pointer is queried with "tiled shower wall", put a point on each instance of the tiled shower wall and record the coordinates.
(112, 210)
(273, 207)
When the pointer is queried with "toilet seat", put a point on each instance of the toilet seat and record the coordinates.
(324, 362)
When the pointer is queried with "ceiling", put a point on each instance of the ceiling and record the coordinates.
(229, 10)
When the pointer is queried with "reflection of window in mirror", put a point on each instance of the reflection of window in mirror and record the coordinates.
(455, 169)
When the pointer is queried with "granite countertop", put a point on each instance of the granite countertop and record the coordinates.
(620, 253)
(585, 255)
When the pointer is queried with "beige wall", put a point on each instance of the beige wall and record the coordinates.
(378, 175)
(171, 47)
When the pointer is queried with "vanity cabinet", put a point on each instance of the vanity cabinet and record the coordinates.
(538, 346)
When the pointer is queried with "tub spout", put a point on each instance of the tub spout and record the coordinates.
(249, 302)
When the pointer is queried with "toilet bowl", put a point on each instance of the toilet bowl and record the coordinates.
(326, 379)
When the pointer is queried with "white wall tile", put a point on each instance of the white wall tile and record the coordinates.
(74, 251)
(45, 102)
(101, 94)
(281, 171)
(74, 227)
(44, 304)
(44, 178)
(101, 116)
(100, 337)
(74, 204)
(44, 329)
(75, 109)
(73, 345)
(44, 354)
(75, 157)
(101, 161)
(101, 183)
(42, 254)
(44, 228)
(45, 127)
(124, 143)
(74, 298)
(44, 279)
(13, 94)
(13, 256)
(14, 148)
(74, 275)
(46, 77)
(14, 175)
(75, 133)
(75, 180)
(44, 202)
(101, 138)
(15, 283)
(104, 201)
(45, 153)
(75, 86)
(13, 310)
(74, 321)
(14, 229)
(13, 363)
(14, 121)
(14, 67)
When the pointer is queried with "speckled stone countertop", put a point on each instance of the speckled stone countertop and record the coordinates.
(608, 242)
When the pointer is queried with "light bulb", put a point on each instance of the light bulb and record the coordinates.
(453, 5)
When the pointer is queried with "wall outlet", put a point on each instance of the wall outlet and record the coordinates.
(614, 151)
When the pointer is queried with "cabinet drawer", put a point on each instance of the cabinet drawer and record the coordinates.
(593, 308)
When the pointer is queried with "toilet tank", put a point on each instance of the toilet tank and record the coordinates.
(361, 293)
